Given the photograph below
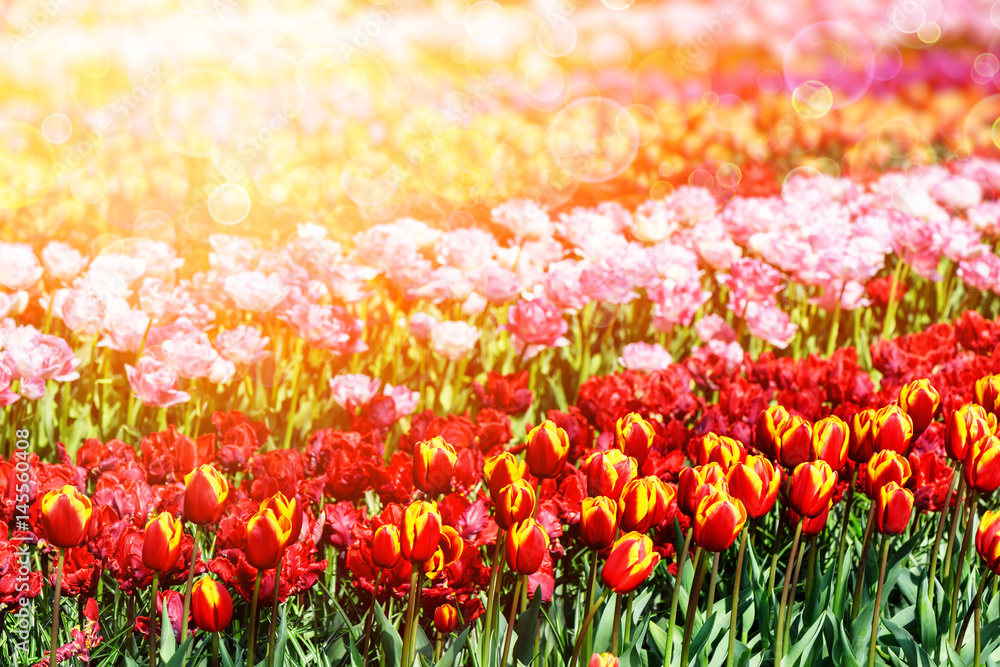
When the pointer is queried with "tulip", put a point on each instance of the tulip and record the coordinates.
(766, 429)
(433, 465)
(603, 660)
(830, 441)
(813, 526)
(421, 531)
(267, 537)
(65, 514)
(861, 446)
(450, 544)
(630, 562)
(445, 619)
(212, 610)
(644, 504)
(161, 547)
(920, 401)
(982, 464)
(288, 508)
(634, 437)
(893, 507)
(501, 470)
(718, 521)
(205, 490)
(793, 442)
(810, 487)
(885, 467)
(720, 449)
(964, 426)
(695, 483)
(548, 448)
(987, 393)
(608, 473)
(527, 544)
(515, 504)
(892, 429)
(598, 522)
(386, 552)
(755, 484)
(988, 540)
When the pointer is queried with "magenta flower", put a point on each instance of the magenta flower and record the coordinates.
(7, 396)
(523, 218)
(751, 281)
(405, 400)
(326, 327)
(33, 358)
(256, 291)
(353, 389)
(244, 346)
(536, 325)
(155, 383)
(645, 357)
(770, 324)
(421, 326)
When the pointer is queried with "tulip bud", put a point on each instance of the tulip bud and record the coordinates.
(644, 504)
(987, 393)
(421, 531)
(445, 619)
(718, 521)
(385, 547)
(982, 464)
(988, 539)
(829, 442)
(630, 563)
(211, 605)
(288, 508)
(793, 442)
(161, 543)
(548, 448)
(65, 515)
(515, 504)
(608, 473)
(755, 483)
(860, 447)
(810, 487)
(892, 430)
(527, 544)
(433, 465)
(768, 422)
(634, 437)
(964, 426)
(267, 537)
(603, 660)
(204, 493)
(598, 522)
(886, 466)
(893, 506)
(501, 470)
(720, 449)
(920, 401)
(696, 483)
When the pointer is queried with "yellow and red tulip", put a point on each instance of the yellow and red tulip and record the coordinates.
(433, 465)
(920, 401)
(720, 449)
(630, 562)
(830, 438)
(718, 521)
(421, 531)
(644, 504)
(386, 551)
(884, 467)
(547, 451)
(211, 605)
(608, 473)
(65, 515)
(982, 464)
(161, 542)
(634, 437)
(893, 507)
(696, 483)
(515, 503)
(205, 491)
(598, 522)
(501, 470)
(810, 487)
(267, 536)
(755, 483)
(527, 544)
(892, 429)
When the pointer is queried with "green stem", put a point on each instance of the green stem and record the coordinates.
(959, 502)
(628, 619)
(736, 599)
(960, 637)
(878, 602)
(692, 609)
(831, 343)
(54, 655)
(491, 597)
(889, 324)
(712, 580)
(290, 416)
(676, 596)
(583, 631)
(215, 649)
(510, 622)
(410, 616)
(591, 584)
(252, 633)
(953, 616)
(784, 595)
(368, 621)
(859, 585)
(615, 625)
(934, 555)
(153, 616)
(190, 583)
(274, 616)
(848, 505)
(811, 568)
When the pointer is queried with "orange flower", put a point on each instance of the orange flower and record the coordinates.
(964, 426)
(766, 429)
(204, 493)
(988, 540)
(385, 547)
(815, 525)
(267, 536)
(720, 449)
(548, 448)
(445, 619)
(433, 465)
(829, 441)
(920, 401)
(211, 605)
(860, 447)
(288, 508)
(421, 531)
(886, 466)
(987, 393)
(501, 470)
(892, 429)
(161, 543)
(982, 464)
(598, 522)
(634, 437)
(893, 507)
(810, 488)
(696, 483)
(527, 544)
(630, 563)
(450, 547)
(793, 442)
(515, 504)
(608, 473)
(644, 504)
(755, 483)
(718, 521)
(65, 515)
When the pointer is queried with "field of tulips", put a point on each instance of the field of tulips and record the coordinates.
(461, 333)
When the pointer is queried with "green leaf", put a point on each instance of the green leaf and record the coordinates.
(178, 658)
(927, 619)
(861, 630)
(282, 641)
(168, 645)
(602, 638)
(843, 653)
(914, 654)
(392, 644)
(701, 638)
(527, 628)
(804, 645)
(451, 655)
(659, 636)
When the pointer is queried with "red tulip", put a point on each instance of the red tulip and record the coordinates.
(211, 605)
(161, 542)
(793, 442)
(548, 448)
(445, 619)
(527, 544)
(830, 441)
(433, 465)
(810, 487)
(892, 430)
(920, 401)
(755, 483)
(630, 563)
(598, 522)
(634, 437)
(964, 426)
(421, 531)
(988, 540)
(696, 483)
(768, 422)
(982, 464)
(267, 537)
(204, 493)
(65, 515)
(608, 473)
(644, 504)
(386, 551)
(884, 467)
(501, 470)
(515, 504)
(893, 507)
(720, 449)
(718, 521)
